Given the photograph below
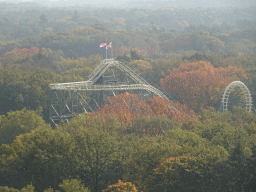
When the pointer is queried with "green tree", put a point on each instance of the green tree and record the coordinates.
(239, 176)
(28, 188)
(153, 126)
(134, 55)
(44, 157)
(181, 173)
(19, 122)
(100, 159)
(8, 189)
(72, 185)
(251, 174)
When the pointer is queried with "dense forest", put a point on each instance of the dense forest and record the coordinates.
(128, 143)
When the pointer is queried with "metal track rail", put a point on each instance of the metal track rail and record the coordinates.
(85, 87)
(100, 70)
(63, 106)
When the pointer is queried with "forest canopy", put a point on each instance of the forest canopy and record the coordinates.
(129, 141)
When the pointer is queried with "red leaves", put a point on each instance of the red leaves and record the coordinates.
(199, 84)
(183, 23)
(170, 109)
(121, 50)
(120, 186)
(128, 106)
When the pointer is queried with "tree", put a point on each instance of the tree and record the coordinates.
(128, 106)
(134, 55)
(162, 68)
(120, 186)
(142, 68)
(199, 84)
(151, 126)
(8, 189)
(180, 173)
(100, 158)
(251, 174)
(147, 154)
(72, 185)
(125, 106)
(11, 86)
(170, 109)
(19, 122)
(44, 157)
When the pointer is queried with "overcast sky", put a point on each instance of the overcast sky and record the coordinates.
(127, 3)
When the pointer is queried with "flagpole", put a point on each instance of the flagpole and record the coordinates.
(106, 50)
(111, 49)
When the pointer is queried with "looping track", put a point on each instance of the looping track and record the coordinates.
(228, 90)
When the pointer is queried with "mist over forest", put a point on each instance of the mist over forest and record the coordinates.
(141, 4)
(172, 108)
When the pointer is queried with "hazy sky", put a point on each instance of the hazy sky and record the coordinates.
(117, 3)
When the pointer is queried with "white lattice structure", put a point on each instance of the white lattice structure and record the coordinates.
(67, 98)
(245, 90)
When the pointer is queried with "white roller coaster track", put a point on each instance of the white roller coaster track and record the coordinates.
(85, 87)
(245, 90)
(60, 108)
(99, 71)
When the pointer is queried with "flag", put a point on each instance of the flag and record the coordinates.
(102, 45)
(109, 45)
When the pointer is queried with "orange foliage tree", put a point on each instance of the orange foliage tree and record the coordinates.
(121, 51)
(169, 109)
(120, 186)
(183, 23)
(19, 54)
(30, 59)
(128, 106)
(199, 84)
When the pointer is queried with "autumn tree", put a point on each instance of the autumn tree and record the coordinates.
(181, 173)
(169, 109)
(126, 106)
(199, 84)
(31, 59)
(121, 186)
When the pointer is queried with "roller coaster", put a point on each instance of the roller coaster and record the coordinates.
(109, 76)
(228, 90)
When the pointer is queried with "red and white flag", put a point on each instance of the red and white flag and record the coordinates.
(102, 45)
(109, 45)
